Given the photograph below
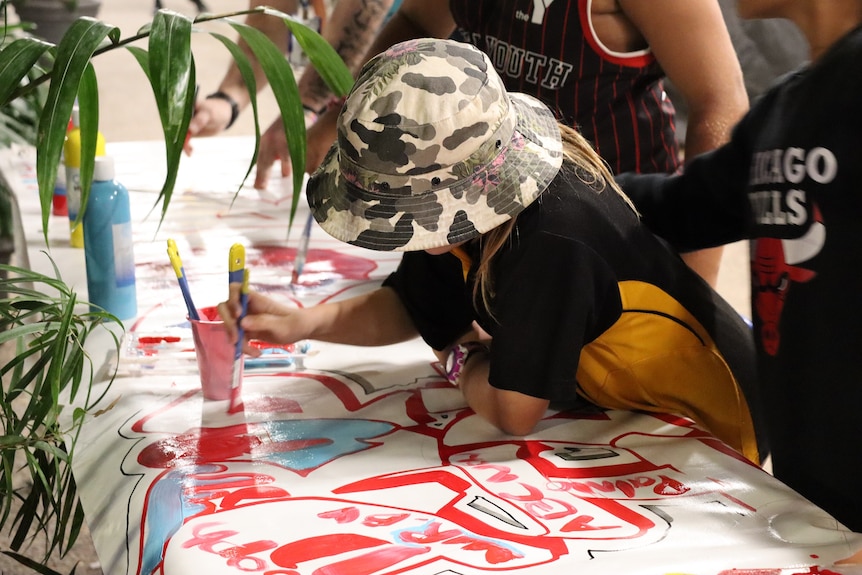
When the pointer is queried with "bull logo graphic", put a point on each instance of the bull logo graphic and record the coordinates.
(776, 266)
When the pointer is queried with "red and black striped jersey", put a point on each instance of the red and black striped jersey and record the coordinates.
(548, 48)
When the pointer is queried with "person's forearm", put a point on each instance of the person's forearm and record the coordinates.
(372, 319)
(233, 84)
(510, 411)
(414, 19)
(350, 29)
(710, 126)
(682, 209)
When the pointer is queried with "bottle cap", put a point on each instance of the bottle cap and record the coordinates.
(104, 169)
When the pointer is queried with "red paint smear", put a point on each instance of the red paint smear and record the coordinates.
(296, 552)
(555, 546)
(751, 572)
(209, 313)
(319, 260)
(582, 523)
(258, 344)
(153, 340)
(216, 444)
(372, 562)
(253, 494)
(814, 570)
(343, 515)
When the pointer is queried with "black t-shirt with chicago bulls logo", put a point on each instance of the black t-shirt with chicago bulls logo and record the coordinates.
(791, 181)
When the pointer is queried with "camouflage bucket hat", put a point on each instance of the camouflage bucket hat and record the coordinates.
(432, 151)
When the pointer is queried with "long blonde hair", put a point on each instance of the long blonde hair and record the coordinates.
(581, 159)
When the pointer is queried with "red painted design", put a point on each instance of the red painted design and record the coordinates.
(323, 546)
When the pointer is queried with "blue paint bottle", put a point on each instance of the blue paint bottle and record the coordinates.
(108, 244)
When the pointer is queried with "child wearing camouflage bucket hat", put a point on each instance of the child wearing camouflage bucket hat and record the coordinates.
(525, 269)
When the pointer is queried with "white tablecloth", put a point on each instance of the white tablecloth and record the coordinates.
(364, 460)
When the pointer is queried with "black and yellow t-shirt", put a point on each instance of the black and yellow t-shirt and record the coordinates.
(588, 303)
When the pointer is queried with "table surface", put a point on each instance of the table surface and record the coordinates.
(364, 461)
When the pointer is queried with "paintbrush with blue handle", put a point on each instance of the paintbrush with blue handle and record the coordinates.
(301, 251)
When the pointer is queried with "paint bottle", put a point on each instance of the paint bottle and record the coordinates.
(107, 230)
(72, 159)
(59, 205)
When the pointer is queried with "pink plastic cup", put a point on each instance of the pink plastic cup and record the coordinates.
(215, 354)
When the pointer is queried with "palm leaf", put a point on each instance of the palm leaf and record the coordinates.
(326, 61)
(16, 61)
(88, 116)
(280, 75)
(247, 73)
(73, 58)
(49, 338)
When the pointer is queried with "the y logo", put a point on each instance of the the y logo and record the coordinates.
(539, 7)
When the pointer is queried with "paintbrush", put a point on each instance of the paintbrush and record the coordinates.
(301, 251)
(238, 274)
(177, 264)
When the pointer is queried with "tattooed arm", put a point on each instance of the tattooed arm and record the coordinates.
(350, 28)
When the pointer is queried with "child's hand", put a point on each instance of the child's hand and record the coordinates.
(265, 320)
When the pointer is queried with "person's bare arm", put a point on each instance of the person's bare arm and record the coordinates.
(212, 115)
(413, 19)
(319, 7)
(376, 318)
(350, 29)
(372, 319)
(692, 45)
(510, 411)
